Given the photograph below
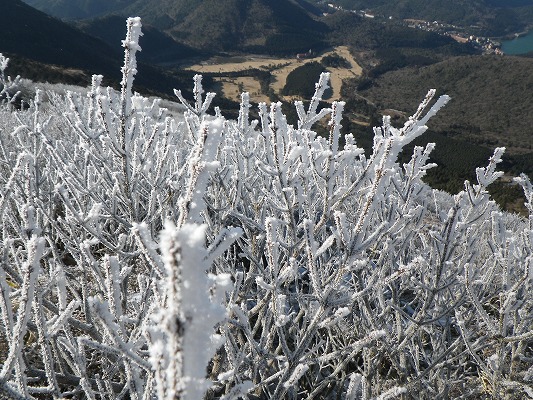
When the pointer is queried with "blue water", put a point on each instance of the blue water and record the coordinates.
(520, 45)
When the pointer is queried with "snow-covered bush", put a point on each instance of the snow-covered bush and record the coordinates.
(148, 257)
(9, 88)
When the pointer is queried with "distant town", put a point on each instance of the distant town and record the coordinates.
(487, 45)
(460, 34)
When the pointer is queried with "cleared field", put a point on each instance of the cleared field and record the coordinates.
(220, 65)
(336, 76)
(233, 87)
(280, 68)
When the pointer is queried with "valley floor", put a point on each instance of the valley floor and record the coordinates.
(233, 86)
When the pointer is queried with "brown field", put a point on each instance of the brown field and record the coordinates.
(231, 88)
(280, 67)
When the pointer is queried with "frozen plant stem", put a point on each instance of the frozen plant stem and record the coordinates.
(129, 70)
(183, 340)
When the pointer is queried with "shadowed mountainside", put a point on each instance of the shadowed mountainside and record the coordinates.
(271, 26)
(31, 34)
(157, 47)
(78, 9)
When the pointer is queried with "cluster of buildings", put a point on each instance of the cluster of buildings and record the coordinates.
(487, 45)
(361, 13)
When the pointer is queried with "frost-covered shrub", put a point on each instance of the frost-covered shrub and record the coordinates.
(9, 88)
(145, 256)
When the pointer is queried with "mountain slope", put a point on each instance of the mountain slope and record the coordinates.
(492, 98)
(78, 9)
(37, 36)
(249, 25)
(31, 34)
(215, 25)
(492, 17)
(157, 47)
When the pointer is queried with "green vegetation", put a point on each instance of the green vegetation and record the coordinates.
(70, 55)
(264, 26)
(364, 34)
(392, 59)
(288, 44)
(335, 61)
(301, 81)
(228, 25)
(36, 71)
(457, 159)
(492, 98)
(274, 26)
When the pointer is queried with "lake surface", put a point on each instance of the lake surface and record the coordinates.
(520, 45)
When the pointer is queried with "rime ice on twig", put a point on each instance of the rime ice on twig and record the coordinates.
(183, 340)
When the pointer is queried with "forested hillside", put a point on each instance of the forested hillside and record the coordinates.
(487, 17)
(492, 98)
(490, 106)
(33, 34)
(367, 34)
(492, 102)
(160, 47)
(78, 9)
(66, 50)
(273, 26)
